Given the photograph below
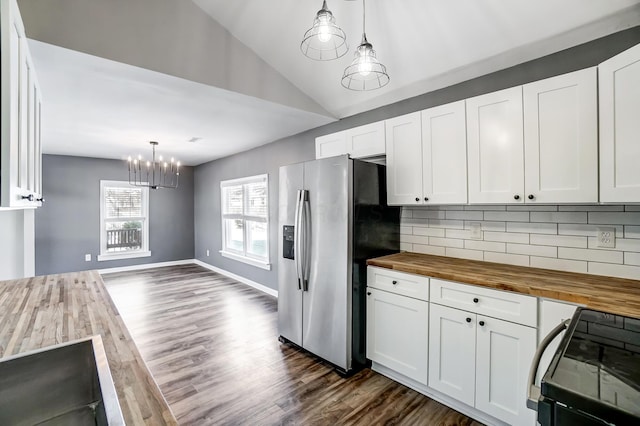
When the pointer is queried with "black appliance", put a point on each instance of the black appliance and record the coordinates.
(594, 376)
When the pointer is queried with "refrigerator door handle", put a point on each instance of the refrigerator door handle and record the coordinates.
(297, 236)
(306, 270)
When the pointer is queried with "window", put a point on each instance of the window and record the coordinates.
(245, 220)
(124, 221)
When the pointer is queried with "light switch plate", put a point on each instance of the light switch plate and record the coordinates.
(87, 258)
(476, 230)
(607, 237)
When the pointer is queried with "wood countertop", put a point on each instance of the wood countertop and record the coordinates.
(614, 295)
(47, 310)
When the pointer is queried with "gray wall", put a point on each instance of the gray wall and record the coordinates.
(68, 225)
(301, 147)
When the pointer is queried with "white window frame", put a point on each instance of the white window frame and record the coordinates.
(244, 256)
(144, 251)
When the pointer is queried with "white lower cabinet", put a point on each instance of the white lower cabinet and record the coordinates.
(481, 361)
(452, 360)
(397, 330)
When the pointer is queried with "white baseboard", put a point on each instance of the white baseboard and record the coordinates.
(145, 266)
(243, 280)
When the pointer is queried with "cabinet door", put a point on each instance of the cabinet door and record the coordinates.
(404, 160)
(504, 354)
(495, 147)
(366, 141)
(619, 101)
(444, 154)
(561, 139)
(331, 145)
(551, 314)
(397, 330)
(452, 354)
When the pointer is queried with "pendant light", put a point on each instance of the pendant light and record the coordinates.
(365, 71)
(325, 40)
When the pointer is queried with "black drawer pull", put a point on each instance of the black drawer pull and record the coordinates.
(468, 319)
(476, 300)
(394, 282)
(481, 323)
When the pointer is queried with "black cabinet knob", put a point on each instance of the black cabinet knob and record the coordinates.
(476, 300)
(394, 282)
(426, 198)
(368, 293)
(468, 319)
(531, 197)
(481, 323)
(516, 197)
(417, 199)
(41, 199)
(29, 197)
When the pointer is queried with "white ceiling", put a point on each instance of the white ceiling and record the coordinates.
(101, 108)
(423, 43)
(95, 107)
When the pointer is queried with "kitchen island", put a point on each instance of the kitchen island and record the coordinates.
(614, 295)
(42, 311)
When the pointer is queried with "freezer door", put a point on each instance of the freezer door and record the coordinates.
(327, 301)
(289, 293)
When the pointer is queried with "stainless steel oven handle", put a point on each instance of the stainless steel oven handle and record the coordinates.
(533, 392)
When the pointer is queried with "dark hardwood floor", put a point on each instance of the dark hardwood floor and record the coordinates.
(212, 345)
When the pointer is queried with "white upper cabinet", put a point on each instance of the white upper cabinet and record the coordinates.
(495, 147)
(619, 85)
(404, 159)
(444, 154)
(20, 156)
(561, 138)
(331, 145)
(359, 142)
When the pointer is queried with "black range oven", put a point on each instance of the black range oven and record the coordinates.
(594, 376)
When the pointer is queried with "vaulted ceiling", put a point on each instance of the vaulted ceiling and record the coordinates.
(116, 74)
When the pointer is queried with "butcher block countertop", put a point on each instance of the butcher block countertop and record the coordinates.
(47, 310)
(614, 295)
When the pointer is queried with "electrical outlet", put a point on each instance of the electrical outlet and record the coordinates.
(87, 257)
(607, 237)
(207, 252)
(476, 230)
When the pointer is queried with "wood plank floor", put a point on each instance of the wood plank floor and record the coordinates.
(212, 345)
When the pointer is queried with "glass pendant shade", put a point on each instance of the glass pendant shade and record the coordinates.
(325, 40)
(365, 71)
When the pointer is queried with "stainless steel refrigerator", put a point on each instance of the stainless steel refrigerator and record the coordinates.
(332, 217)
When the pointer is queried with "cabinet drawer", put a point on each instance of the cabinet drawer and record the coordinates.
(504, 305)
(410, 285)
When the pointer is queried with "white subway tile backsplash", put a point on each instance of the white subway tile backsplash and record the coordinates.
(446, 242)
(458, 233)
(622, 271)
(607, 256)
(532, 250)
(454, 224)
(626, 218)
(507, 237)
(465, 215)
(407, 230)
(552, 237)
(485, 245)
(632, 259)
(464, 253)
(533, 228)
(428, 214)
(431, 232)
(559, 217)
(559, 240)
(558, 264)
(631, 231)
(510, 259)
(437, 251)
(531, 208)
(507, 216)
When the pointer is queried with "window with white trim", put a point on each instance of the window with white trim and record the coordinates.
(245, 220)
(124, 221)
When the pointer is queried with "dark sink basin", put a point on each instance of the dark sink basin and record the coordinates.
(68, 384)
